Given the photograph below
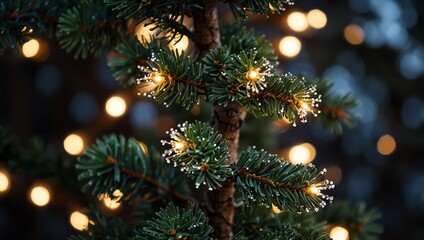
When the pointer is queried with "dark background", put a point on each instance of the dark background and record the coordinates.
(53, 97)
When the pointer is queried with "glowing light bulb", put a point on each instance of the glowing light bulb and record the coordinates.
(4, 182)
(305, 106)
(386, 144)
(276, 209)
(116, 106)
(181, 146)
(252, 75)
(113, 203)
(181, 45)
(316, 18)
(73, 144)
(40, 196)
(143, 32)
(30, 48)
(339, 233)
(302, 154)
(354, 34)
(79, 221)
(312, 190)
(290, 46)
(297, 21)
(157, 78)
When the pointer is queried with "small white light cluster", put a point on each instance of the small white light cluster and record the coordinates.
(307, 101)
(255, 76)
(152, 78)
(317, 188)
(178, 145)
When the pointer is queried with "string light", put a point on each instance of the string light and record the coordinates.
(180, 146)
(115, 106)
(354, 34)
(157, 78)
(79, 221)
(30, 48)
(181, 45)
(276, 209)
(339, 233)
(252, 75)
(386, 144)
(302, 154)
(40, 196)
(73, 144)
(316, 19)
(312, 190)
(143, 32)
(290, 46)
(297, 21)
(113, 203)
(4, 181)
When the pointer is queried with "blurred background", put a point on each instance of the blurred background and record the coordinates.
(372, 48)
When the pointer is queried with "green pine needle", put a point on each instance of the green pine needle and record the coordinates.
(175, 223)
(266, 179)
(198, 150)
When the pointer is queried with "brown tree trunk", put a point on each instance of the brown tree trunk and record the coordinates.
(226, 120)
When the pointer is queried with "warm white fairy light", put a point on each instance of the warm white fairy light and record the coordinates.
(115, 106)
(30, 48)
(79, 220)
(4, 181)
(276, 209)
(317, 188)
(339, 233)
(157, 78)
(40, 196)
(115, 202)
(178, 144)
(255, 76)
(306, 101)
(312, 190)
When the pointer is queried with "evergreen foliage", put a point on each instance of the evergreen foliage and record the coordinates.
(242, 71)
(266, 179)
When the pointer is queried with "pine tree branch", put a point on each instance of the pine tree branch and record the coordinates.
(244, 173)
(112, 161)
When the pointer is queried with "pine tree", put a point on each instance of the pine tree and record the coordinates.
(232, 68)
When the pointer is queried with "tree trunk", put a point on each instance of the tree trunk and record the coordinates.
(226, 120)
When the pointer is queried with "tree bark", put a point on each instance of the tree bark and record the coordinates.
(226, 120)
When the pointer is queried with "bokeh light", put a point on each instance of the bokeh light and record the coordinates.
(290, 46)
(181, 45)
(48, 79)
(4, 181)
(316, 18)
(339, 233)
(276, 209)
(143, 32)
(74, 144)
(297, 21)
(113, 203)
(386, 144)
(143, 114)
(115, 106)
(84, 107)
(302, 154)
(354, 34)
(40, 196)
(79, 220)
(30, 48)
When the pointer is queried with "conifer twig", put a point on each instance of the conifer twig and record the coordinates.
(152, 182)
